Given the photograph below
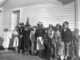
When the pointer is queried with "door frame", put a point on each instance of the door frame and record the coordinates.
(2, 27)
(12, 16)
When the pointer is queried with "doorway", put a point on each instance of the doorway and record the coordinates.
(15, 19)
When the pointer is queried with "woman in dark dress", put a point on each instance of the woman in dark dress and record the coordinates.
(27, 41)
(39, 39)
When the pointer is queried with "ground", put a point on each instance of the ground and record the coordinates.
(10, 55)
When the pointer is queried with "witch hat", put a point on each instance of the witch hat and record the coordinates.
(27, 23)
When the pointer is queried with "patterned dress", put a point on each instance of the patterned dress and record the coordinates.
(60, 44)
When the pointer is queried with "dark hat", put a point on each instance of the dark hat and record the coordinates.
(22, 23)
(6, 29)
(58, 25)
(66, 22)
(19, 23)
(27, 22)
(39, 23)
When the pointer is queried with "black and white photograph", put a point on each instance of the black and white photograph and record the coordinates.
(39, 29)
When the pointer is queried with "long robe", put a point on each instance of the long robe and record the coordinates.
(7, 37)
(26, 40)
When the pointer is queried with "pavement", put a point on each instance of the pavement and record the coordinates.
(10, 55)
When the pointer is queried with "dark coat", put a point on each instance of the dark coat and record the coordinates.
(66, 35)
(21, 42)
(26, 38)
(20, 30)
(39, 33)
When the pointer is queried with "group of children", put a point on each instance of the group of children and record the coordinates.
(54, 41)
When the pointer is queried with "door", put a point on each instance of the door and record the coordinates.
(15, 19)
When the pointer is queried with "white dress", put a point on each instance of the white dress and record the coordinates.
(7, 37)
(15, 43)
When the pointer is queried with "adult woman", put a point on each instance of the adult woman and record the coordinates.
(26, 40)
(39, 39)
(59, 43)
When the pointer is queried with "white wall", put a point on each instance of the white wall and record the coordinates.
(49, 14)
(7, 19)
